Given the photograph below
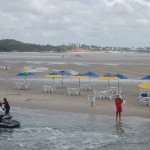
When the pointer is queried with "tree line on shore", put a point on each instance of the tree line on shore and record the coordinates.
(11, 45)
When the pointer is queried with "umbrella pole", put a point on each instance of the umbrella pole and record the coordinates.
(62, 80)
(89, 80)
(108, 84)
(25, 79)
(79, 82)
(118, 85)
(54, 81)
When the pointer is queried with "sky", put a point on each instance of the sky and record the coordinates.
(124, 23)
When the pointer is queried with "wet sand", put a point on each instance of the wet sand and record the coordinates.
(134, 66)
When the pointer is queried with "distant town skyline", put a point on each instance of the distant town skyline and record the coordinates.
(122, 23)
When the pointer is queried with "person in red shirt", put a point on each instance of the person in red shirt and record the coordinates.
(118, 102)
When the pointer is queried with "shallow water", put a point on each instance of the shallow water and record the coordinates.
(47, 130)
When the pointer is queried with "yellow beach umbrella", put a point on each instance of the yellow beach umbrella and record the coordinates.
(145, 85)
(79, 76)
(108, 77)
(53, 75)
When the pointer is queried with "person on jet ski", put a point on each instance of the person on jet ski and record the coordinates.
(6, 106)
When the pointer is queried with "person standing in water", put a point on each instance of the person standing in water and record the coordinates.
(118, 102)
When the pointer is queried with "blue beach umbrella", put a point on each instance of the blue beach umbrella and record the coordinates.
(120, 76)
(90, 74)
(63, 73)
(147, 77)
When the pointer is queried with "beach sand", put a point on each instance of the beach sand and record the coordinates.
(132, 65)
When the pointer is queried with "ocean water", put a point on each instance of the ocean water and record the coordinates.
(49, 130)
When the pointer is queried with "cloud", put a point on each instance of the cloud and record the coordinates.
(55, 22)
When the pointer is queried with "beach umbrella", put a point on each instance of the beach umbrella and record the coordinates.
(145, 85)
(79, 76)
(25, 73)
(147, 77)
(53, 75)
(120, 76)
(108, 77)
(90, 74)
(63, 73)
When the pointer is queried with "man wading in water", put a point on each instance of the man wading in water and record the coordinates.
(118, 102)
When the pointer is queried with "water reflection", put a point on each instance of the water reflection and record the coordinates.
(6, 134)
(6, 130)
(67, 131)
(119, 127)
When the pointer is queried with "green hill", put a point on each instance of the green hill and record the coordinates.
(10, 45)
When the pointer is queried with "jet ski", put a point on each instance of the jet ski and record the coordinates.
(7, 122)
